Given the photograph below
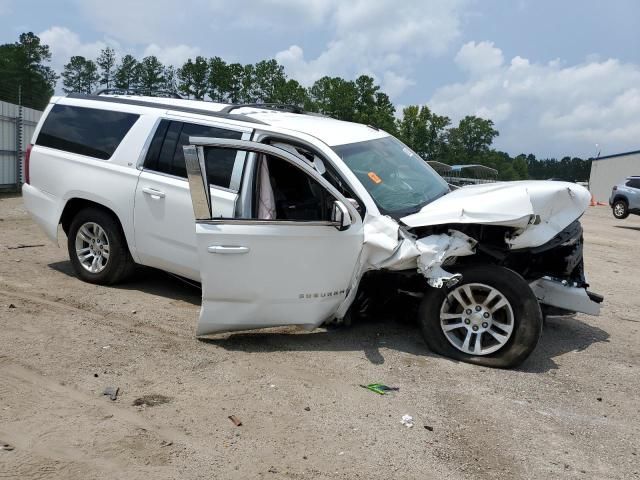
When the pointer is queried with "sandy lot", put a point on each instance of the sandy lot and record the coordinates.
(571, 411)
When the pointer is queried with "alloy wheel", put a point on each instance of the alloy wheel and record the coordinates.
(92, 247)
(476, 319)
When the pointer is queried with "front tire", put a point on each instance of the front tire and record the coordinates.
(620, 209)
(97, 247)
(491, 318)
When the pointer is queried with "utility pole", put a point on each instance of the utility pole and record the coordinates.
(19, 141)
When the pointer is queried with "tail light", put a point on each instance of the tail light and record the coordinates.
(27, 157)
(615, 188)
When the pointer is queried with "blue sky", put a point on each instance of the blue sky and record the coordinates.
(557, 77)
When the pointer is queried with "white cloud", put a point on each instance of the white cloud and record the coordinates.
(172, 55)
(141, 21)
(394, 84)
(64, 44)
(479, 57)
(381, 37)
(384, 38)
(549, 108)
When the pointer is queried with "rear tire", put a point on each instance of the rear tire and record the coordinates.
(620, 209)
(502, 328)
(97, 247)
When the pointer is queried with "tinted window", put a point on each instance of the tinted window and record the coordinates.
(165, 160)
(170, 157)
(87, 131)
(634, 183)
(219, 161)
(151, 160)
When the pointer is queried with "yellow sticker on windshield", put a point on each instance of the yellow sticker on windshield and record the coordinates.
(375, 178)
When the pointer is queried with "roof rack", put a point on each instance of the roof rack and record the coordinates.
(282, 107)
(179, 108)
(138, 92)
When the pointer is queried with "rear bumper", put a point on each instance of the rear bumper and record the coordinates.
(43, 208)
(561, 295)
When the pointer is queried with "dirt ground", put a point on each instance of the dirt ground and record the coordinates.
(571, 411)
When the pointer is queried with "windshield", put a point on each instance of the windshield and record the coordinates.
(399, 181)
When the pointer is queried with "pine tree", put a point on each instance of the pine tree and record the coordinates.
(127, 73)
(80, 75)
(107, 63)
(150, 74)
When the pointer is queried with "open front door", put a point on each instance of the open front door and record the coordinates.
(292, 266)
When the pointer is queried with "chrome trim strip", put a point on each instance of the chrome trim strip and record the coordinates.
(251, 221)
(236, 174)
(238, 166)
(200, 196)
(168, 175)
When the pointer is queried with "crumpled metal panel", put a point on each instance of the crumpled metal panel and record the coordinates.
(538, 210)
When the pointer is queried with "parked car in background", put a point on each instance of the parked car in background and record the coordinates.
(625, 198)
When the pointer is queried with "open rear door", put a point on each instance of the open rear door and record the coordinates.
(262, 273)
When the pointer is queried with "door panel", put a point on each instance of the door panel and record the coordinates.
(287, 274)
(164, 232)
(163, 211)
(263, 273)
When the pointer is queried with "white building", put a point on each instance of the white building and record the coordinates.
(610, 170)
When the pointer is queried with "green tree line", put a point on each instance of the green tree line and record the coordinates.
(432, 136)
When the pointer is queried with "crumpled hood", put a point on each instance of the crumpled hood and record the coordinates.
(538, 210)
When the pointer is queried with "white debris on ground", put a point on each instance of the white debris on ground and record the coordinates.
(407, 421)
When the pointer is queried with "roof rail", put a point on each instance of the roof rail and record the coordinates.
(282, 107)
(179, 108)
(138, 92)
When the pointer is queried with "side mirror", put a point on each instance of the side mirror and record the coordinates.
(340, 215)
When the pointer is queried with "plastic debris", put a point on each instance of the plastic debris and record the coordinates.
(429, 427)
(22, 245)
(380, 388)
(111, 392)
(151, 400)
(11, 305)
(407, 421)
(236, 421)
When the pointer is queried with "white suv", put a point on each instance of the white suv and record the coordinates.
(291, 218)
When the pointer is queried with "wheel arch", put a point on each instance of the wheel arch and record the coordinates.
(75, 204)
(620, 197)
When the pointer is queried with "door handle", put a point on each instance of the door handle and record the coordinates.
(153, 192)
(227, 250)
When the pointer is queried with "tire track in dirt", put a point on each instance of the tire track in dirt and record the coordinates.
(119, 321)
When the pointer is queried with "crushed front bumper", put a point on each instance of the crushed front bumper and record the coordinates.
(560, 294)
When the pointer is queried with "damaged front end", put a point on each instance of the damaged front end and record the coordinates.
(529, 227)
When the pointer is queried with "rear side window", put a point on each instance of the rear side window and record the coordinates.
(86, 131)
(634, 183)
(169, 157)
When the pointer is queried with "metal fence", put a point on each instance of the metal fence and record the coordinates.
(17, 125)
